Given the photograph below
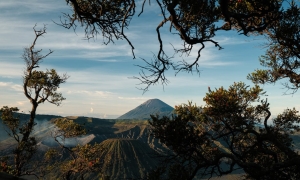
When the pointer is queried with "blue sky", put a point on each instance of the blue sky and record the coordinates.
(100, 83)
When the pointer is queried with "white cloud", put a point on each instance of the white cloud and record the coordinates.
(102, 94)
(133, 98)
(11, 86)
(17, 87)
(22, 103)
(36, 6)
(108, 60)
(11, 69)
(3, 84)
(224, 40)
(91, 110)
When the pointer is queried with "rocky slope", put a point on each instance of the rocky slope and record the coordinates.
(127, 158)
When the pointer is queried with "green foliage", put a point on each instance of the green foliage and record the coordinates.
(223, 136)
(85, 159)
(50, 154)
(7, 116)
(67, 128)
(78, 160)
(24, 149)
(46, 83)
(5, 167)
(281, 59)
(287, 122)
(260, 76)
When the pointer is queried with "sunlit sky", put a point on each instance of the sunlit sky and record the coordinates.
(100, 83)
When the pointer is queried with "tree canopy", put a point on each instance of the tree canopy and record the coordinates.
(231, 131)
(198, 22)
(38, 87)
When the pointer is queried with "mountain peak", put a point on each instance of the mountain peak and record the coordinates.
(150, 107)
(154, 102)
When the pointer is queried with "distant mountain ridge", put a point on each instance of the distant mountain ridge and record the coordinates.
(150, 107)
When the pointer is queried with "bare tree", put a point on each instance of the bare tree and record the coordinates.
(195, 22)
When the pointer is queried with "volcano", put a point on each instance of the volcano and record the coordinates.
(150, 107)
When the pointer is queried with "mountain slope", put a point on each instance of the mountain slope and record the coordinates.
(127, 158)
(150, 107)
